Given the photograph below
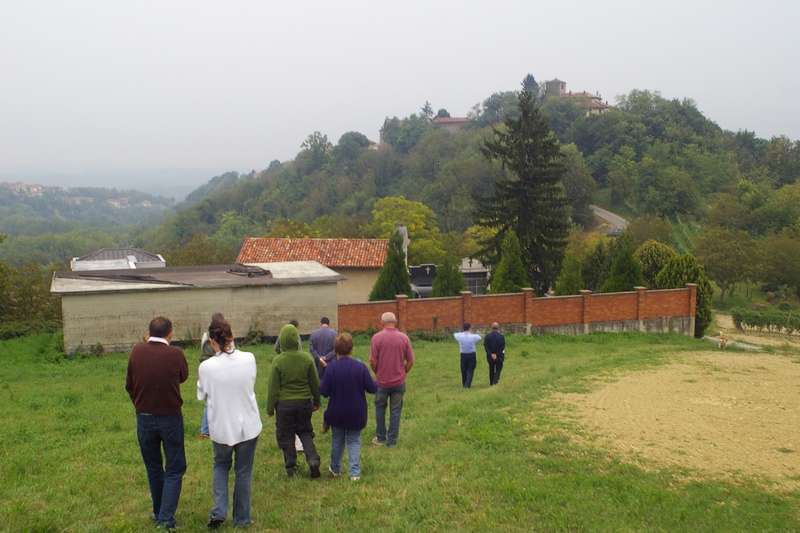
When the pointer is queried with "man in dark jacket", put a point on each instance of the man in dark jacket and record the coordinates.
(495, 345)
(155, 373)
(320, 344)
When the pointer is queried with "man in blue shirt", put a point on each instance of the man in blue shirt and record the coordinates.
(466, 341)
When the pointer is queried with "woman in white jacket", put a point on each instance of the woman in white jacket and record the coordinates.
(227, 383)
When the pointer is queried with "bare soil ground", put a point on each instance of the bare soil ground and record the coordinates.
(726, 414)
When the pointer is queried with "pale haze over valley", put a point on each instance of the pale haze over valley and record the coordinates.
(161, 96)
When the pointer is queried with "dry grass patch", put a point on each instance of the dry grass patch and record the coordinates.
(728, 414)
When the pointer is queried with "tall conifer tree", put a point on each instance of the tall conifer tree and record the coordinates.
(530, 200)
(393, 278)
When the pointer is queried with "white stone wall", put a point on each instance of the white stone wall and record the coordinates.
(117, 320)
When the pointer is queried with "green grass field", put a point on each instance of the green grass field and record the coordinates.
(485, 459)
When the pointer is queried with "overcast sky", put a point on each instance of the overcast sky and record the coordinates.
(131, 91)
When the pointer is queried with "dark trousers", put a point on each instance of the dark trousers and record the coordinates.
(468, 364)
(164, 472)
(294, 418)
(495, 367)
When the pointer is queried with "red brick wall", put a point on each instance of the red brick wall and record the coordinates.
(671, 302)
(512, 309)
(612, 307)
(557, 311)
(500, 308)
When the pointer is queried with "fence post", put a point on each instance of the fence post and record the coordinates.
(585, 310)
(466, 306)
(692, 307)
(641, 295)
(402, 300)
(527, 293)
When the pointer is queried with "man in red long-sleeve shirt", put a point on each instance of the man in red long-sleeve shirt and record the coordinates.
(391, 358)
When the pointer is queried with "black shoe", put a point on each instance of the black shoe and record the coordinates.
(214, 523)
(315, 472)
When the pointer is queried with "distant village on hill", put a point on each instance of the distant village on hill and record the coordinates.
(34, 190)
(23, 191)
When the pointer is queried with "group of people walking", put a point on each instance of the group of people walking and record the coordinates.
(231, 419)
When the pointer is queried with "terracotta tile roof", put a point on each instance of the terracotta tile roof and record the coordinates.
(333, 253)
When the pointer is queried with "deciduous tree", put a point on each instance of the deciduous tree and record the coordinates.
(650, 228)
(725, 256)
(579, 186)
(424, 236)
(284, 228)
(780, 261)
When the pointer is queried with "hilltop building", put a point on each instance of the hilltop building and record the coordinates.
(451, 124)
(592, 104)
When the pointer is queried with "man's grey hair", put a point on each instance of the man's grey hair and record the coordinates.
(388, 318)
(495, 326)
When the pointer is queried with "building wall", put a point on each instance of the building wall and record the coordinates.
(665, 311)
(119, 320)
(358, 285)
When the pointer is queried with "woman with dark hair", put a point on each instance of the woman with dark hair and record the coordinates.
(345, 382)
(206, 351)
(227, 382)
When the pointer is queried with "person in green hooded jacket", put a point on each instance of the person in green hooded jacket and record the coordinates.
(292, 395)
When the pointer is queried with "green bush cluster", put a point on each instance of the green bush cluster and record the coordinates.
(771, 320)
(12, 330)
(434, 335)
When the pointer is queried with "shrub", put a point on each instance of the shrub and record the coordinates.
(254, 336)
(12, 330)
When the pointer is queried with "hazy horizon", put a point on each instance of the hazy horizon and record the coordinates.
(163, 96)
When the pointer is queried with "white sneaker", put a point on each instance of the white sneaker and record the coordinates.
(376, 442)
(355, 478)
(334, 473)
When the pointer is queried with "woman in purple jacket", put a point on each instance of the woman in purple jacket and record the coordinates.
(345, 382)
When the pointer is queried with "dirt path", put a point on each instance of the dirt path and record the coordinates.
(725, 414)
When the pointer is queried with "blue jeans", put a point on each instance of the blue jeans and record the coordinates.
(353, 439)
(245, 453)
(204, 423)
(468, 364)
(164, 474)
(394, 396)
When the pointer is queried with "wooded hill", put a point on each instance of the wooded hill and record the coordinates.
(646, 156)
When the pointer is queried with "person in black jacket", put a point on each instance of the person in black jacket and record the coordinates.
(495, 345)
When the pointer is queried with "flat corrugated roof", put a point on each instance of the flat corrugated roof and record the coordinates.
(207, 276)
(120, 253)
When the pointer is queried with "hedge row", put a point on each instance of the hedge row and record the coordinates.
(771, 320)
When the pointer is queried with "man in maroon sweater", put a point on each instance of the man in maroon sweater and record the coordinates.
(155, 373)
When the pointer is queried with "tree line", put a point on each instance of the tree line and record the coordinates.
(682, 180)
